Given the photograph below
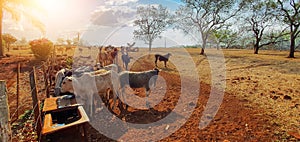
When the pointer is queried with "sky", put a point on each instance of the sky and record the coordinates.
(98, 22)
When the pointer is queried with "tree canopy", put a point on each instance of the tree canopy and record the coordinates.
(151, 22)
(204, 17)
(262, 22)
(9, 39)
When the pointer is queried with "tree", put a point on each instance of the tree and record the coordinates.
(60, 41)
(226, 37)
(290, 12)
(8, 39)
(261, 19)
(152, 21)
(23, 41)
(11, 6)
(205, 16)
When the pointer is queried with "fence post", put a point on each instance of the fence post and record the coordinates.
(18, 89)
(35, 102)
(46, 80)
(5, 131)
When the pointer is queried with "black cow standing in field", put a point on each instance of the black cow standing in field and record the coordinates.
(164, 58)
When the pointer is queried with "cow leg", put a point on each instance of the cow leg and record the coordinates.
(88, 107)
(156, 61)
(147, 96)
(114, 103)
(91, 103)
(115, 96)
(106, 96)
(123, 96)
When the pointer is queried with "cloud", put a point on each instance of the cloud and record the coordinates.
(146, 5)
(114, 13)
(119, 2)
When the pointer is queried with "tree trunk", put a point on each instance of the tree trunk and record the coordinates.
(7, 46)
(256, 48)
(292, 47)
(256, 45)
(1, 14)
(150, 45)
(203, 47)
(202, 51)
(227, 45)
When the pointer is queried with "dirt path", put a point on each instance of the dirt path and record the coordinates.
(235, 121)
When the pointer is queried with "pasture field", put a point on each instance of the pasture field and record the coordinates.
(267, 83)
(261, 100)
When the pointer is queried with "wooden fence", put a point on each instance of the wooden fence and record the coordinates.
(40, 80)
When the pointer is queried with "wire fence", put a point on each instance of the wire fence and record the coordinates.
(21, 105)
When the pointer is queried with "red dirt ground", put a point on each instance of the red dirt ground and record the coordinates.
(233, 122)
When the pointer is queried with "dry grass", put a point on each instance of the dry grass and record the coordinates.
(26, 52)
(271, 81)
(268, 81)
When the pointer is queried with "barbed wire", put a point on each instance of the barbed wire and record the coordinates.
(30, 117)
(36, 124)
(22, 105)
(41, 74)
(13, 115)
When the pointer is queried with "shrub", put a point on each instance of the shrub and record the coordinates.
(41, 48)
(69, 61)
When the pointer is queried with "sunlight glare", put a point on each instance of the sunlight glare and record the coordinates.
(53, 6)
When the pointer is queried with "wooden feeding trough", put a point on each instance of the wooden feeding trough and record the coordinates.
(61, 114)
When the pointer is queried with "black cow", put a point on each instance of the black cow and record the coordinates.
(164, 58)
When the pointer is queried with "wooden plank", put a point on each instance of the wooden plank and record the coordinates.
(35, 101)
(5, 131)
(50, 104)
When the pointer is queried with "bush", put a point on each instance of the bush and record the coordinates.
(41, 48)
(69, 62)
